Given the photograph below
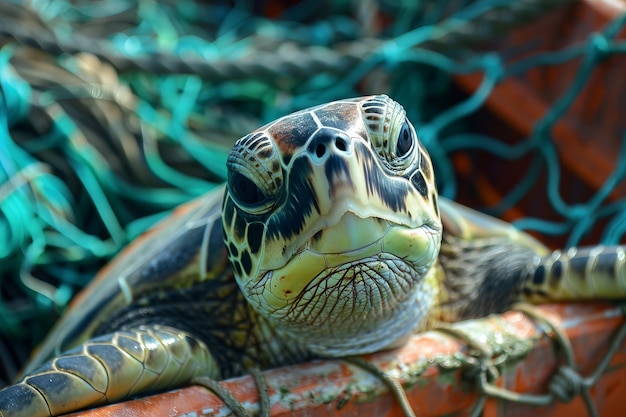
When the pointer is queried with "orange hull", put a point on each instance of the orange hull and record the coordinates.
(429, 367)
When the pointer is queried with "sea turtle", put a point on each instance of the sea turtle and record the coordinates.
(328, 240)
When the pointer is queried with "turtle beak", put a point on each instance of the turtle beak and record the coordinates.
(351, 233)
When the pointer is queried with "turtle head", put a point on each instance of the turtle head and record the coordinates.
(332, 225)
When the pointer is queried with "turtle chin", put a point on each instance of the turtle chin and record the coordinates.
(335, 298)
(360, 307)
(353, 302)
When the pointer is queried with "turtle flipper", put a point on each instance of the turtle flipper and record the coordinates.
(486, 275)
(108, 368)
(593, 272)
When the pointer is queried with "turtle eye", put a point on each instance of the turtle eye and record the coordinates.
(244, 190)
(404, 143)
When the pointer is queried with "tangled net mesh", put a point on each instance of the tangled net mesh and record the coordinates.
(112, 113)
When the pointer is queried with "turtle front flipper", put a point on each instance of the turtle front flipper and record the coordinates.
(594, 272)
(108, 368)
(486, 265)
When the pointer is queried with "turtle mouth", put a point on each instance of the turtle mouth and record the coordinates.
(349, 235)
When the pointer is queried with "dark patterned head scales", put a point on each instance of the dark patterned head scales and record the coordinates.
(322, 196)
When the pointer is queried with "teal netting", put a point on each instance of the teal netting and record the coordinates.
(112, 113)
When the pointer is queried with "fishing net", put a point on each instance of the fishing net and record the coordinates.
(112, 113)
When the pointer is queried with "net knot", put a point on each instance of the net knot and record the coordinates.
(599, 46)
(567, 384)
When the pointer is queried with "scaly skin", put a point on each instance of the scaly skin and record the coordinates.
(109, 368)
(329, 239)
(595, 272)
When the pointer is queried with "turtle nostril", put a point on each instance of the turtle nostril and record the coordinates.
(340, 143)
(320, 150)
(327, 142)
